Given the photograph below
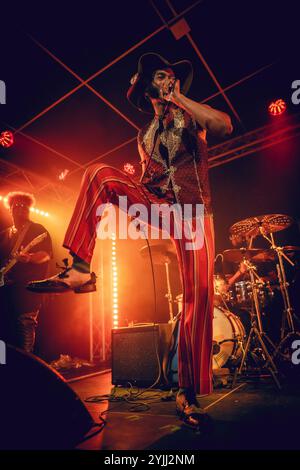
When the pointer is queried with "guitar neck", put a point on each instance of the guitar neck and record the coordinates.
(14, 260)
(10, 264)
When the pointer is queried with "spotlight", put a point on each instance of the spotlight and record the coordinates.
(128, 168)
(6, 139)
(277, 107)
(62, 176)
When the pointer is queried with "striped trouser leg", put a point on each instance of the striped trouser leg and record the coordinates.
(100, 184)
(195, 338)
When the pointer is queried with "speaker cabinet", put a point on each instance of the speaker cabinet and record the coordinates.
(138, 354)
(38, 409)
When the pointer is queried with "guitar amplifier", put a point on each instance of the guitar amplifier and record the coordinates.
(139, 353)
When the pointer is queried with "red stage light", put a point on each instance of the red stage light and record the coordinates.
(277, 107)
(6, 139)
(128, 168)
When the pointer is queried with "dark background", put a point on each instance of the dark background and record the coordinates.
(47, 48)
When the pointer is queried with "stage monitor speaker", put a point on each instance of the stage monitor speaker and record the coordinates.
(38, 409)
(138, 354)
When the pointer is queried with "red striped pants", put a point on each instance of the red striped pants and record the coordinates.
(102, 183)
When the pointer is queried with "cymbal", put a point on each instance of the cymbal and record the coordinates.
(160, 253)
(264, 256)
(290, 249)
(236, 255)
(268, 223)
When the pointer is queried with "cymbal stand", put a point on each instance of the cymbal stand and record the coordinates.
(169, 295)
(256, 331)
(287, 330)
(288, 312)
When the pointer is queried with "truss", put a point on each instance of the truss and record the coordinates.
(251, 142)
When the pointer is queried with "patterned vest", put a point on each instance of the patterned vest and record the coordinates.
(178, 165)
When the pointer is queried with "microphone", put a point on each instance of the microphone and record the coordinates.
(171, 88)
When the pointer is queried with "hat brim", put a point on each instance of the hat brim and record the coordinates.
(147, 65)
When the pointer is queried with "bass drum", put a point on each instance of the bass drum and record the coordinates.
(228, 337)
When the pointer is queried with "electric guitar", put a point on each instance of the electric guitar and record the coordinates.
(13, 258)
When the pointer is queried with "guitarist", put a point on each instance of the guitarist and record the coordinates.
(19, 308)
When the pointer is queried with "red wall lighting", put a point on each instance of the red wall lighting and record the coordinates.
(128, 168)
(277, 107)
(6, 139)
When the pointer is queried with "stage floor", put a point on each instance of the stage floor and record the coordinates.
(252, 416)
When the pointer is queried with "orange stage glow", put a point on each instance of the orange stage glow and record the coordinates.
(6, 139)
(277, 107)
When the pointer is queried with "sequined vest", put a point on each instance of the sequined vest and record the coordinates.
(179, 159)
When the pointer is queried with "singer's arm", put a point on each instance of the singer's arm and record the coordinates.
(214, 121)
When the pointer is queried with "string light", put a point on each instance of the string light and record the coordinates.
(32, 209)
(115, 308)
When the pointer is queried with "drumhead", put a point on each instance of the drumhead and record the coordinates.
(226, 328)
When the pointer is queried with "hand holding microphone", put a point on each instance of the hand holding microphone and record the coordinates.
(172, 92)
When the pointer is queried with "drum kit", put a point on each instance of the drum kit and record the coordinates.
(235, 347)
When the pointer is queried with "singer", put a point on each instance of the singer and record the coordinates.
(173, 152)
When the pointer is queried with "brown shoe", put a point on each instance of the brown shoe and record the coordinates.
(189, 410)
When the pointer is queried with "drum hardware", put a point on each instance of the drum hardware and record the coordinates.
(241, 294)
(162, 256)
(169, 295)
(256, 331)
(239, 342)
(288, 312)
(221, 290)
(222, 294)
(254, 294)
(287, 330)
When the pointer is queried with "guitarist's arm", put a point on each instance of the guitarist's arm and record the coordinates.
(39, 257)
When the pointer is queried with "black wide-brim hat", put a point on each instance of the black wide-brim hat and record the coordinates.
(147, 65)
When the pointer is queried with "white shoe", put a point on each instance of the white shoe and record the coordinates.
(69, 279)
